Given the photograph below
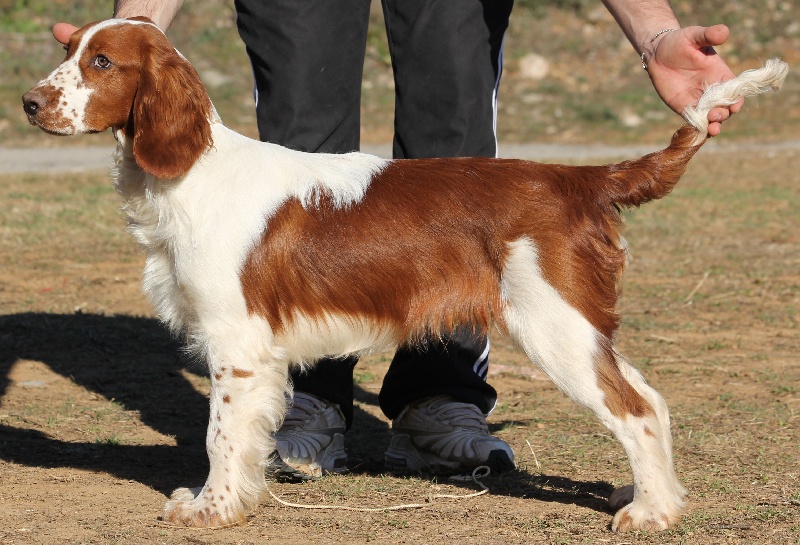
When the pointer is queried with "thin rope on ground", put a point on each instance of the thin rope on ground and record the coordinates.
(475, 477)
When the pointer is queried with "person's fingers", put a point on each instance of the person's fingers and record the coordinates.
(62, 32)
(736, 107)
(718, 115)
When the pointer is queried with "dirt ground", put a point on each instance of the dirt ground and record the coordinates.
(101, 415)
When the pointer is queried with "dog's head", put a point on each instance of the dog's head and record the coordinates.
(124, 75)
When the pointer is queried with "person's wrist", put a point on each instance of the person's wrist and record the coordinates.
(162, 15)
(648, 48)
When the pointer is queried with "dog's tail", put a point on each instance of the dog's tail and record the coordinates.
(636, 182)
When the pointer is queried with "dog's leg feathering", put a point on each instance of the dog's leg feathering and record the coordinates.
(248, 402)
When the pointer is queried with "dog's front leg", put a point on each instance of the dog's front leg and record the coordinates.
(248, 403)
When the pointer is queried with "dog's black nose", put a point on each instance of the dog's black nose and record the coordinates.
(32, 102)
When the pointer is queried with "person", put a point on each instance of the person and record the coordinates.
(307, 58)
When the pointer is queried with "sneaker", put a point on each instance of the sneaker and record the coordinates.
(441, 435)
(310, 442)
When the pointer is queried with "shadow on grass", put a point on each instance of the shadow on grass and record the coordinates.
(132, 360)
(368, 439)
(135, 362)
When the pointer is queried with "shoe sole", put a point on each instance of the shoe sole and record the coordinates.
(331, 460)
(403, 457)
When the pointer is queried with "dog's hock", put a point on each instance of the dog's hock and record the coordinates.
(749, 83)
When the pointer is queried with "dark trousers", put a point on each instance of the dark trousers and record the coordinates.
(308, 59)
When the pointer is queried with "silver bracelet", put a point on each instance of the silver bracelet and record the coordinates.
(659, 33)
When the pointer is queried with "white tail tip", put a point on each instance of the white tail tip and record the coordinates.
(749, 83)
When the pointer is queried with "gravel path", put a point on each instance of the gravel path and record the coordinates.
(80, 159)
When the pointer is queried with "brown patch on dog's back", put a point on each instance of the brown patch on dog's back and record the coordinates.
(412, 255)
(425, 248)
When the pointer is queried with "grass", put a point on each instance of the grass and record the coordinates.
(88, 418)
(68, 205)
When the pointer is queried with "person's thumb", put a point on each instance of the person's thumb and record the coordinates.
(708, 36)
(62, 32)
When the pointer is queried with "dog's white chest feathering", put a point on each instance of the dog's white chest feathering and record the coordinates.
(198, 230)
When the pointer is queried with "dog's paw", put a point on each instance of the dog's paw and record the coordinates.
(636, 516)
(199, 508)
(185, 494)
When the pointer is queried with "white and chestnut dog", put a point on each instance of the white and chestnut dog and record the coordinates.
(267, 258)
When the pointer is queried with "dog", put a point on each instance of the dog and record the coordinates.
(266, 258)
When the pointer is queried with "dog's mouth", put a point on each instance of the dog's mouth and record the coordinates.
(54, 130)
(38, 119)
(38, 107)
(34, 121)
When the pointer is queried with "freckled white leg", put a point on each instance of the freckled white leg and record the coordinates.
(567, 347)
(657, 499)
(642, 505)
(248, 402)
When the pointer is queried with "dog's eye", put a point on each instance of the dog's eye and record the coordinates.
(102, 62)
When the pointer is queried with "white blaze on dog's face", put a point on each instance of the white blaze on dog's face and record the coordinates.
(103, 56)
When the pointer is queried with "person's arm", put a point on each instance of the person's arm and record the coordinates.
(162, 12)
(681, 62)
(641, 20)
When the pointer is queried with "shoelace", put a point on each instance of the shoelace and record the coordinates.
(302, 408)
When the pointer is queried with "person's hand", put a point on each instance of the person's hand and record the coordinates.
(62, 32)
(684, 63)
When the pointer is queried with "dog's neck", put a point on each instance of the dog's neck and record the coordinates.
(122, 133)
(124, 138)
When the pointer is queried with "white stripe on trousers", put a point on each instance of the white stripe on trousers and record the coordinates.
(481, 366)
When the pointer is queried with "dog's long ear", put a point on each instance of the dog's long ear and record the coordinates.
(170, 114)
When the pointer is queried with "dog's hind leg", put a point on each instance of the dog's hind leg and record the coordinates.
(640, 420)
(623, 496)
(583, 364)
(248, 403)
